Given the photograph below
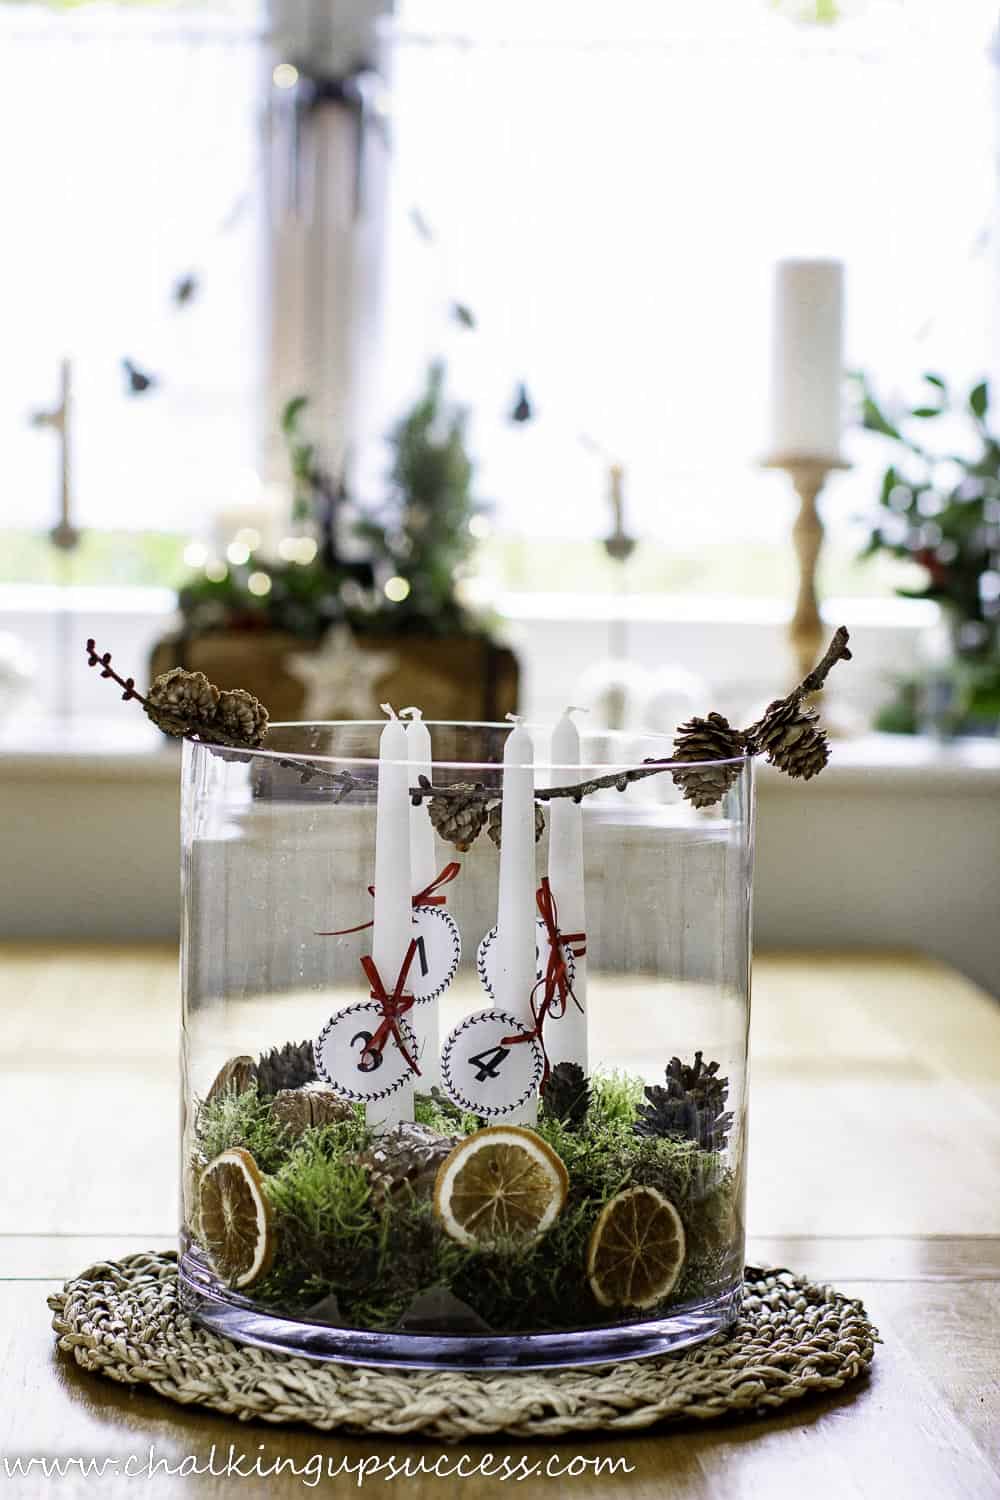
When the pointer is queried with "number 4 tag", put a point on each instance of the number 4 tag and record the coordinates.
(482, 1075)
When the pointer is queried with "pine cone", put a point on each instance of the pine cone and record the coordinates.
(566, 1095)
(302, 1109)
(691, 1106)
(242, 716)
(788, 736)
(458, 819)
(234, 1077)
(495, 826)
(713, 738)
(407, 1157)
(288, 1067)
(180, 701)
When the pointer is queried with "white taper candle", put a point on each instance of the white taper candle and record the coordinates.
(807, 359)
(423, 869)
(516, 903)
(393, 898)
(566, 1039)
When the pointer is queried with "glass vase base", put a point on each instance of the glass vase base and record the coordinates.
(232, 1318)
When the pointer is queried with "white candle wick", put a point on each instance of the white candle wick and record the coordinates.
(387, 708)
(411, 713)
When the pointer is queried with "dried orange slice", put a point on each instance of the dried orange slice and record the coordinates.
(636, 1249)
(500, 1181)
(235, 1219)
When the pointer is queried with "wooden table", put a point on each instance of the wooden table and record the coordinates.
(875, 1164)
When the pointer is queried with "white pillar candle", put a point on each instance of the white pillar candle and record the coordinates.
(807, 359)
(393, 898)
(423, 869)
(566, 1039)
(516, 907)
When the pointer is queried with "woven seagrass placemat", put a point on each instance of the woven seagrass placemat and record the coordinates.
(122, 1319)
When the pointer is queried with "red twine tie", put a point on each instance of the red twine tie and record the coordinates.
(393, 1006)
(426, 897)
(555, 980)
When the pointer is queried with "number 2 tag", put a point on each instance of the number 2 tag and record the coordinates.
(438, 955)
(488, 955)
(342, 1061)
(480, 1074)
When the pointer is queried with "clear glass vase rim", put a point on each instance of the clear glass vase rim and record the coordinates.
(604, 768)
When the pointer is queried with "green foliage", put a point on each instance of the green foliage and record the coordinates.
(306, 479)
(303, 600)
(941, 510)
(902, 714)
(418, 532)
(979, 401)
(233, 1119)
(134, 559)
(421, 532)
(334, 1241)
(809, 12)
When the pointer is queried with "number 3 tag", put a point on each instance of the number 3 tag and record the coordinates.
(480, 1074)
(438, 955)
(341, 1060)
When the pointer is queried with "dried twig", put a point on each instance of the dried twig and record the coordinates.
(577, 790)
(107, 670)
(836, 651)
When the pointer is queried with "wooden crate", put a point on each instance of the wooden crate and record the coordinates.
(447, 677)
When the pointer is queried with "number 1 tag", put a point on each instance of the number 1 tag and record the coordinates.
(482, 1075)
(341, 1059)
(438, 955)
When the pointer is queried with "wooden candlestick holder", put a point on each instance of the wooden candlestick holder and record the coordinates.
(808, 475)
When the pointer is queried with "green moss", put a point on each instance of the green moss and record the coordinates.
(437, 1110)
(375, 1259)
(326, 1226)
(233, 1119)
(615, 1099)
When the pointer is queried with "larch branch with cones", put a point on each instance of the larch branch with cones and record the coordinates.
(185, 703)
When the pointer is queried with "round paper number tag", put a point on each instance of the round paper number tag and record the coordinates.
(483, 1076)
(438, 955)
(488, 955)
(340, 1049)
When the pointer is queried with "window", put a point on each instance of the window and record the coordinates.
(604, 186)
(131, 186)
(607, 187)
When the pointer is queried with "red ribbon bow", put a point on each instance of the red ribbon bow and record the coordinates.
(426, 897)
(393, 1006)
(556, 978)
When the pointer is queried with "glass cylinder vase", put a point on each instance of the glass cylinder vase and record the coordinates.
(520, 1137)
